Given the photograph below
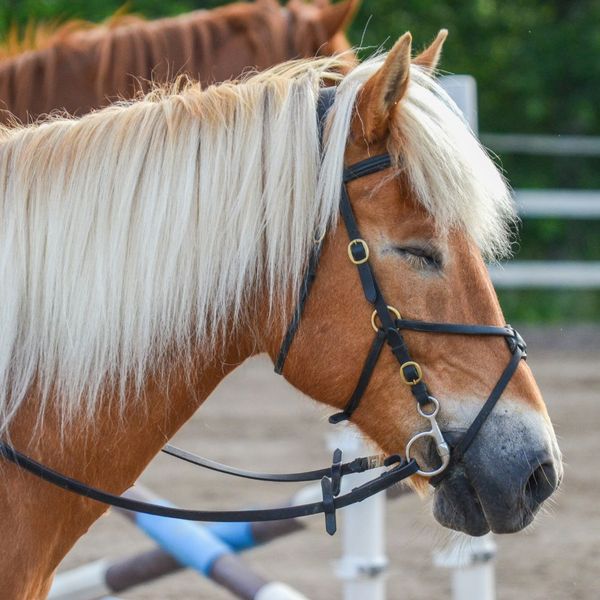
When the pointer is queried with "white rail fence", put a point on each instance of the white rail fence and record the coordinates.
(569, 204)
(563, 204)
(549, 145)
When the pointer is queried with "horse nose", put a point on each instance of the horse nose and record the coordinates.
(497, 485)
(512, 494)
(541, 484)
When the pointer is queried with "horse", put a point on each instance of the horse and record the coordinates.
(149, 248)
(80, 68)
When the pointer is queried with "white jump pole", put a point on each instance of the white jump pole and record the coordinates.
(361, 526)
(206, 548)
(472, 562)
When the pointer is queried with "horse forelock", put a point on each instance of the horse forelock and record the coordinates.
(451, 174)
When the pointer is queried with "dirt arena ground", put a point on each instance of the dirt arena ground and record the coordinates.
(558, 558)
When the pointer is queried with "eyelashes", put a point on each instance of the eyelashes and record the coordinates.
(420, 258)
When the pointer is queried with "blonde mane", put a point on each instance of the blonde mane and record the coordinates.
(146, 227)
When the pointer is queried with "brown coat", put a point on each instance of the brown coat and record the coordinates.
(86, 68)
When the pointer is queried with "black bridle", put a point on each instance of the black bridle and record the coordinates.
(387, 331)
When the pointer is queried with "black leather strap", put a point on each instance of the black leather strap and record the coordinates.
(309, 278)
(364, 269)
(454, 328)
(324, 103)
(329, 505)
(458, 451)
(466, 440)
(358, 465)
(400, 351)
(363, 380)
(371, 165)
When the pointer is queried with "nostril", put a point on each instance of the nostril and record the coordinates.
(541, 483)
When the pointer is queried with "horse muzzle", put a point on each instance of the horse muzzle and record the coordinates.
(497, 485)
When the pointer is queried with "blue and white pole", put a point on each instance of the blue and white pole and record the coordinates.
(208, 549)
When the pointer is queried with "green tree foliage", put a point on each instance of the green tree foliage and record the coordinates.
(537, 65)
(536, 62)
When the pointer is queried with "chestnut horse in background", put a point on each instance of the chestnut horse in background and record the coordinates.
(147, 249)
(81, 68)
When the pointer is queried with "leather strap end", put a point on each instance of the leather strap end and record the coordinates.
(328, 505)
(339, 417)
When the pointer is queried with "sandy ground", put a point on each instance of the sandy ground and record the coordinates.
(557, 558)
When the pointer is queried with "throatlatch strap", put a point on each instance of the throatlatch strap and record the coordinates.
(324, 103)
(290, 333)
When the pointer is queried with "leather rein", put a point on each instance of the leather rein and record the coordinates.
(387, 324)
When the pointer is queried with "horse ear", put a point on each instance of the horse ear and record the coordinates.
(382, 92)
(336, 17)
(430, 57)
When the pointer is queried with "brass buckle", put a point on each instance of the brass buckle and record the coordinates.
(393, 310)
(365, 248)
(417, 366)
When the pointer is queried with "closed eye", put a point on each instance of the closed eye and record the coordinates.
(420, 257)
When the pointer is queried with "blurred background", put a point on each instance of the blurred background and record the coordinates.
(537, 71)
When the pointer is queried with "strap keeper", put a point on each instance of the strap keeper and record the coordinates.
(392, 460)
(363, 463)
(515, 341)
(328, 506)
(336, 472)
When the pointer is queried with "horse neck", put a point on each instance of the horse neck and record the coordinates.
(43, 521)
